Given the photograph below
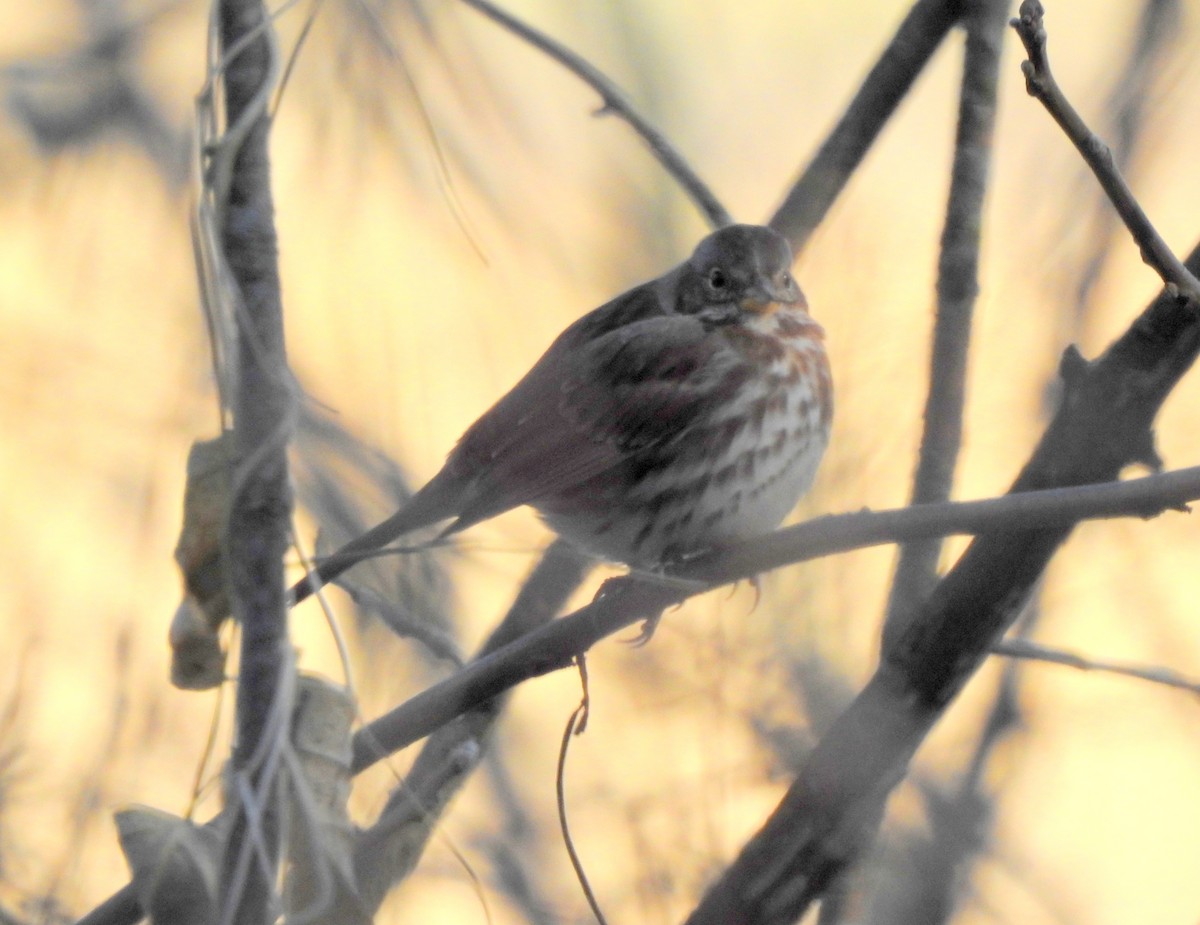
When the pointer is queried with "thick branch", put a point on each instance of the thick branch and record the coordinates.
(260, 509)
(617, 104)
(825, 819)
(881, 92)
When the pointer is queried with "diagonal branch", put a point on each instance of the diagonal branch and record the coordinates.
(1040, 82)
(388, 850)
(827, 817)
(616, 103)
(888, 82)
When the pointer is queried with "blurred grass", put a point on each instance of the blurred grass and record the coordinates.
(396, 323)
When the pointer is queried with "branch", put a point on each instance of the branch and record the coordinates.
(263, 406)
(1023, 649)
(615, 103)
(506, 660)
(1042, 86)
(957, 290)
(1126, 111)
(388, 851)
(626, 601)
(885, 86)
(827, 817)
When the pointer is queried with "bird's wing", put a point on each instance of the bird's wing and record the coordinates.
(588, 406)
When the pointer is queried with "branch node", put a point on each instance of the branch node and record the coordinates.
(1072, 367)
(1032, 32)
(1146, 453)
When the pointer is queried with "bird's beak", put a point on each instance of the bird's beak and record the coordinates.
(765, 297)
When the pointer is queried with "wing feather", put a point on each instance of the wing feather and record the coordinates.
(602, 396)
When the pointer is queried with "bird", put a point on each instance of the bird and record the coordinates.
(684, 415)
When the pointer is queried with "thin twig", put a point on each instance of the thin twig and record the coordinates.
(553, 646)
(576, 724)
(615, 103)
(1042, 86)
(1126, 110)
(1031, 651)
(889, 81)
(957, 290)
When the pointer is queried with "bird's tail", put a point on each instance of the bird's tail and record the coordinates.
(433, 503)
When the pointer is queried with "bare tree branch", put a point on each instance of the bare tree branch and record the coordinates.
(1126, 111)
(626, 601)
(881, 92)
(957, 290)
(513, 657)
(1031, 651)
(826, 818)
(1042, 86)
(263, 419)
(617, 104)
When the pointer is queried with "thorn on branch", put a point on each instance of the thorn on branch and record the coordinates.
(1146, 453)
(1072, 367)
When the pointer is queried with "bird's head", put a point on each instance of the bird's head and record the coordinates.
(736, 270)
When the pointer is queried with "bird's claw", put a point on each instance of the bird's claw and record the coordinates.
(646, 633)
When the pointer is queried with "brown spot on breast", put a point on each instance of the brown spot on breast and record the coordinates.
(777, 402)
(789, 325)
(756, 413)
(746, 464)
(759, 349)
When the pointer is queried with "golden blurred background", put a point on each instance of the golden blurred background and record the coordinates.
(422, 274)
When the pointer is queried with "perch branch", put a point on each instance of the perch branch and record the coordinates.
(628, 600)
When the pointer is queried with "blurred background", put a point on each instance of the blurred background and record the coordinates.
(447, 202)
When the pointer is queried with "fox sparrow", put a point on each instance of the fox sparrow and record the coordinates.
(689, 412)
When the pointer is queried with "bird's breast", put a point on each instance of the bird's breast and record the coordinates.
(735, 471)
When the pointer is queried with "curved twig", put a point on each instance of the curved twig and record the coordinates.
(615, 103)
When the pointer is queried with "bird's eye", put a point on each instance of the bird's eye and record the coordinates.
(785, 280)
(717, 280)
